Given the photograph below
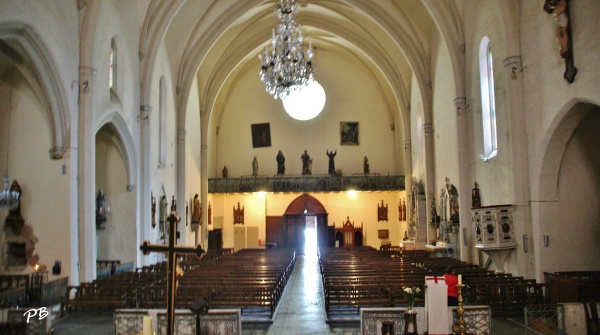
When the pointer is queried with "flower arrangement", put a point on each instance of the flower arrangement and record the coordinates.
(410, 295)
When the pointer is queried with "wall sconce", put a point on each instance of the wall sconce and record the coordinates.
(525, 243)
(546, 240)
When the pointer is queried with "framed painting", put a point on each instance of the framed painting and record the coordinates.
(261, 135)
(383, 233)
(349, 133)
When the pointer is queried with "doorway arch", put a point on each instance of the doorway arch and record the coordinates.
(295, 222)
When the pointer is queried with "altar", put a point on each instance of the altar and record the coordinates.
(439, 250)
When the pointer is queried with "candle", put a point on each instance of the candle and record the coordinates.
(147, 330)
(459, 279)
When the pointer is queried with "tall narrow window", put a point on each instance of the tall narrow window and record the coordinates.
(112, 66)
(162, 123)
(488, 103)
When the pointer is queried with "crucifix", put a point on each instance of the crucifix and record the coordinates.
(172, 249)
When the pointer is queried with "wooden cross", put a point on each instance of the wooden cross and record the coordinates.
(172, 249)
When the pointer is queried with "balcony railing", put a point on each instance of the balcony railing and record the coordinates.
(304, 183)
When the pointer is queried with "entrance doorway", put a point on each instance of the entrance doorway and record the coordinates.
(310, 237)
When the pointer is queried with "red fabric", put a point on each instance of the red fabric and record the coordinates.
(452, 281)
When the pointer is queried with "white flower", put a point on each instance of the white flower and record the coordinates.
(408, 290)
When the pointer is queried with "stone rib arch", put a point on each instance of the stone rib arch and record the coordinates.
(124, 144)
(48, 80)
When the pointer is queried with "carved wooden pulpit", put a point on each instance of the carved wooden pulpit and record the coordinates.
(172, 250)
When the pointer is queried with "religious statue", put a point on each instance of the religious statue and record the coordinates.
(153, 209)
(225, 172)
(14, 219)
(102, 210)
(186, 213)
(560, 10)
(475, 198)
(162, 215)
(196, 210)
(403, 210)
(561, 22)
(306, 168)
(280, 163)
(255, 167)
(331, 155)
(400, 211)
(366, 165)
(453, 197)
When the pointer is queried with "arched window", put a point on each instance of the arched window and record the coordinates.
(162, 122)
(112, 67)
(488, 104)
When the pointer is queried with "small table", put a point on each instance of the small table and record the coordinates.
(410, 323)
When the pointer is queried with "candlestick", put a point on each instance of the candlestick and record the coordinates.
(147, 329)
(459, 326)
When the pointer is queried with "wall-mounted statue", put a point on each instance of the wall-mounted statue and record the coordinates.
(331, 155)
(102, 210)
(280, 163)
(153, 201)
(560, 10)
(306, 163)
(14, 220)
(366, 165)
(255, 167)
(475, 197)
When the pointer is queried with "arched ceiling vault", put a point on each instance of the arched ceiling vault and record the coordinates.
(213, 41)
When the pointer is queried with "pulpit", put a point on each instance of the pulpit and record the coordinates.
(494, 232)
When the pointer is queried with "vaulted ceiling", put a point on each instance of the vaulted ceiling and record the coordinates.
(213, 41)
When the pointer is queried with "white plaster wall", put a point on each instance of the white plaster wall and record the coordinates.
(114, 21)
(444, 120)
(352, 95)
(360, 207)
(162, 176)
(495, 176)
(51, 216)
(549, 98)
(45, 190)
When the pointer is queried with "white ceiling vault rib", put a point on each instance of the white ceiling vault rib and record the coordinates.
(213, 41)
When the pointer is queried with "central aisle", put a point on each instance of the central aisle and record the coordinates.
(301, 309)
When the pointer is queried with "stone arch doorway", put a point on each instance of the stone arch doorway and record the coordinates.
(116, 238)
(295, 222)
(565, 213)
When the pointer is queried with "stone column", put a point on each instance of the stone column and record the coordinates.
(181, 183)
(203, 238)
(520, 166)
(145, 231)
(464, 180)
(87, 177)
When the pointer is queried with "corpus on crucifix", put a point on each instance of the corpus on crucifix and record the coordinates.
(172, 250)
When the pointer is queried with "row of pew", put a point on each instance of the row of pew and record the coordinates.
(364, 277)
(252, 280)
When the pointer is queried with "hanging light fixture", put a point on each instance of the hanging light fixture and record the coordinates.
(9, 198)
(286, 67)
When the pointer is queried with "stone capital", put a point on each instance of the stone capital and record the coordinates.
(461, 105)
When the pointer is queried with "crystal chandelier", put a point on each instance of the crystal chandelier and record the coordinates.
(286, 67)
(9, 198)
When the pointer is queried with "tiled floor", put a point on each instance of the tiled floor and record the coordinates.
(300, 311)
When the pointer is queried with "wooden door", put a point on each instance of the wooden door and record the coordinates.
(239, 238)
(252, 234)
(274, 230)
